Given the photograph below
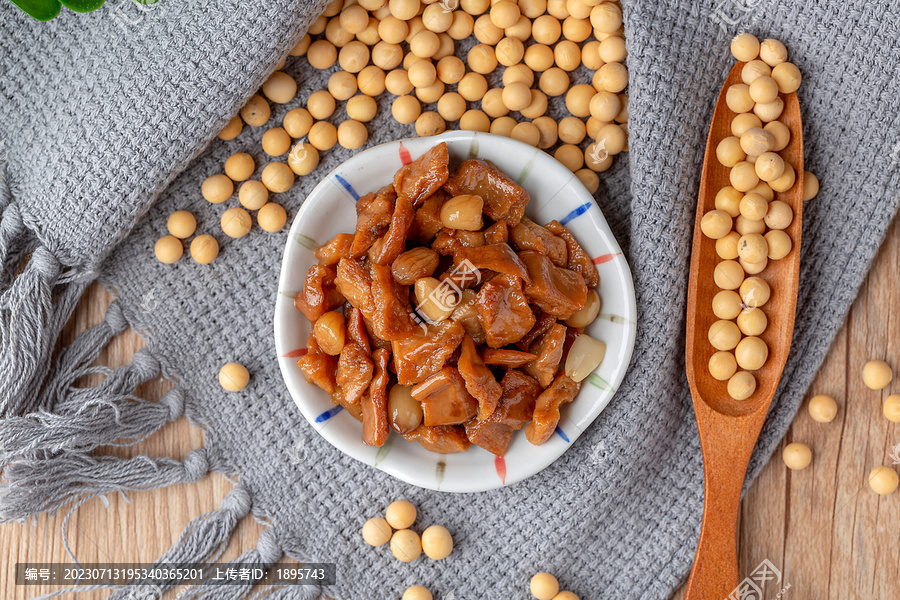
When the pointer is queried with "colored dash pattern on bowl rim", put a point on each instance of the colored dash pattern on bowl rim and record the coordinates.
(441, 466)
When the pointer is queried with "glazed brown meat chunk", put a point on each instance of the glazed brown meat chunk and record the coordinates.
(494, 257)
(445, 439)
(335, 249)
(317, 366)
(374, 403)
(556, 291)
(542, 324)
(354, 372)
(319, 294)
(498, 233)
(549, 350)
(356, 328)
(423, 176)
(546, 410)
(504, 199)
(493, 437)
(444, 398)
(354, 410)
(466, 315)
(517, 401)
(419, 356)
(479, 380)
(394, 241)
(503, 357)
(354, 283)
(373, 217)
(391, 315)
(578, 260)
(427, 221)
(503, 311)
(448, 241)
(528, 235)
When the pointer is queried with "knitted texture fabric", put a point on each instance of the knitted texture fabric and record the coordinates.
(617, 516)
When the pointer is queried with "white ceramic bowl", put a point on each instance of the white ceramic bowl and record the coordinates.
(555, 194)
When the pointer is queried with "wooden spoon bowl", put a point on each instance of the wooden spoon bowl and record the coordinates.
(729, 428)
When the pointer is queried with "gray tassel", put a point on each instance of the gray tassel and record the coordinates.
(34, 306)
(74, 359)
(35, 485)
(143, 367)
(203, 540)
(96, 423)
(268, 551)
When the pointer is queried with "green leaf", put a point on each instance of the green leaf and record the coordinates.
(42, 10)
(82, 5)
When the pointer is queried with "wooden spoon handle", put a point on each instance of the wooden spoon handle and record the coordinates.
(726, 454)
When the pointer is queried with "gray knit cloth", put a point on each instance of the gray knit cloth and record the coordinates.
(99, 121)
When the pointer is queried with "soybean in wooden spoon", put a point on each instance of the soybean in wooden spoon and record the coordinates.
(729, 428)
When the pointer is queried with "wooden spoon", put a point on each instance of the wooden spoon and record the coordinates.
(729, 428)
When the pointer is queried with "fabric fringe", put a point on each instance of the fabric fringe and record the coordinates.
(34, 306)
(84, 418)
(268, 551)
(37, 484)
(73, 360)
(203, 540)
(96, 423)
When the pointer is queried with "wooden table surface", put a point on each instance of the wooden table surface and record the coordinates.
(823, 528)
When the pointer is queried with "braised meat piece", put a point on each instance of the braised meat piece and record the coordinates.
(335, 249)
(319, 294)
(556, 291)
(479, 380)
(419, 356)
(356, 328)
(493, 437)
(528, 235)
(504, 199)
(427, 221)
(498, 233)
(466, 315)
(354, 372)
(578, 260)
(373, 217)
(444, 398)
(423, 176)
(517, 402)
(354, 283)
(391, 315)
(354, 410)
(519, 394)
(549, 350)
(546, 410)
(394, 241)
(374, 403)
(448, 241)
(445, 439)
(317, 366)
(542, 324)
(503, 357)
(503, 311)
(493, 257)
